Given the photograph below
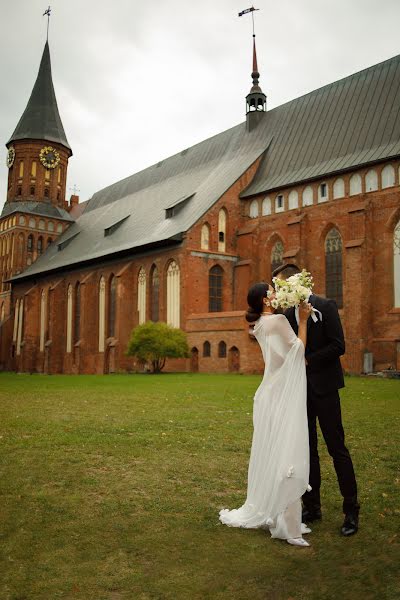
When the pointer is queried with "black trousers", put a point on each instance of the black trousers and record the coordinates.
(327, 409)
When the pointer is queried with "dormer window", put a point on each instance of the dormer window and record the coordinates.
(109, 230)
(65, 243)
(177, 206)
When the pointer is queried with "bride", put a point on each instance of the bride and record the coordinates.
(279, 460)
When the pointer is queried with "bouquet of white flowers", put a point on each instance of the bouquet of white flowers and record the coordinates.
(292, 291)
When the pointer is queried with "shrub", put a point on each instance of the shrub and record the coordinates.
(155, 342)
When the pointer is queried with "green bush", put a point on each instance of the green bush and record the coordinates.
(155, 342)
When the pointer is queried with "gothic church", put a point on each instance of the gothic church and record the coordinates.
(314, 181)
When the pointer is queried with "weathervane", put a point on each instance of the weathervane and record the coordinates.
(245, 12)
(48, 13)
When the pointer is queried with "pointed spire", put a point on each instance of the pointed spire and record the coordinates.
(256, 100)
(255, 67)
(41, 119)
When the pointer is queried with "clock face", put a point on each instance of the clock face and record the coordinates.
(49, 157)
(10, 157)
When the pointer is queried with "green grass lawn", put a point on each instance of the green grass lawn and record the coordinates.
(111, 487)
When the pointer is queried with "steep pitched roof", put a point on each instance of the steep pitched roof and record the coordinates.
(341, 126)
(41, 119)
(202, 173)
(351, 122)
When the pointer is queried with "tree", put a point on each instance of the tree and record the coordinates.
(155, 342)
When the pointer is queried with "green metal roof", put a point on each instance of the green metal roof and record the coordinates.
(352, 122)
(345, 125)
(41, 119)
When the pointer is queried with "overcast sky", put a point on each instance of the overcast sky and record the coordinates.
(139, 81)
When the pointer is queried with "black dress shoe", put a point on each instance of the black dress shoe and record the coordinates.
(350, 524)
(310, 515)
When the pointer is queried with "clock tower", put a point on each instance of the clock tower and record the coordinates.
(35, 212)
(38, 150)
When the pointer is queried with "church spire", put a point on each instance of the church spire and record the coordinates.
(256, 100)
(41, 119)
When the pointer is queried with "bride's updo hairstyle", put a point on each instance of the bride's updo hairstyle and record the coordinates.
(255, 298)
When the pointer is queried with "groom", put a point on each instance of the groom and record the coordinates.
(325, 344)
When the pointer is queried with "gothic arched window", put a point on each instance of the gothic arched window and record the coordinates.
(29, 245)
(276, 255)
(40, 245)
(221, 350)
(222, 230)
(334, 267)
(266, 206)
(155, 295)
(112, 306)
(77, 314)
(102, 313)
(173, 294)
(206, 349)
(205, 237)
(388, 177)
(141, 304)
(43, 320)
(396, 265)
(254, 208)
(69, 318)
(338, 188)
(215, 278)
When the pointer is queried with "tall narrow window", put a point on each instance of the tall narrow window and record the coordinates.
(173, 294)
(279, 203)
(308, 196)
(29, 245)
(33, 169)
(40, 245)
(215, 289)
(16, 316)
(102, 313)
(69, 318)
(205, 237)
(293, 199)
(338, 188)
(21, 168)
(371, 181)
(112, 306)
(355, 184)
(77, 314)
(396, 265)
(334, 267)
(266, 206)
(253, 212)
(276, 255)
(206, 349)
(221, 350)
(43, 320)
(141, 305)
(222, 230)
(20, 325)
(155, 294)
(388, 177)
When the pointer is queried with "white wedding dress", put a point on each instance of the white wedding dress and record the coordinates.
(279, 461)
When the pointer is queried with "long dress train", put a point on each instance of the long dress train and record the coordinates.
(279, 460)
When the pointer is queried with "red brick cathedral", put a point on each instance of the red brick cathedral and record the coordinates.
(314, 181)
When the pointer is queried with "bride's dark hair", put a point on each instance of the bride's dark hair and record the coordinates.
(255, 297)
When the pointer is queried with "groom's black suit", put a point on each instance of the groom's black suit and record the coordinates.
(325, 345)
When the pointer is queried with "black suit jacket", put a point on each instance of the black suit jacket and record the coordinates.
(325, 345)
